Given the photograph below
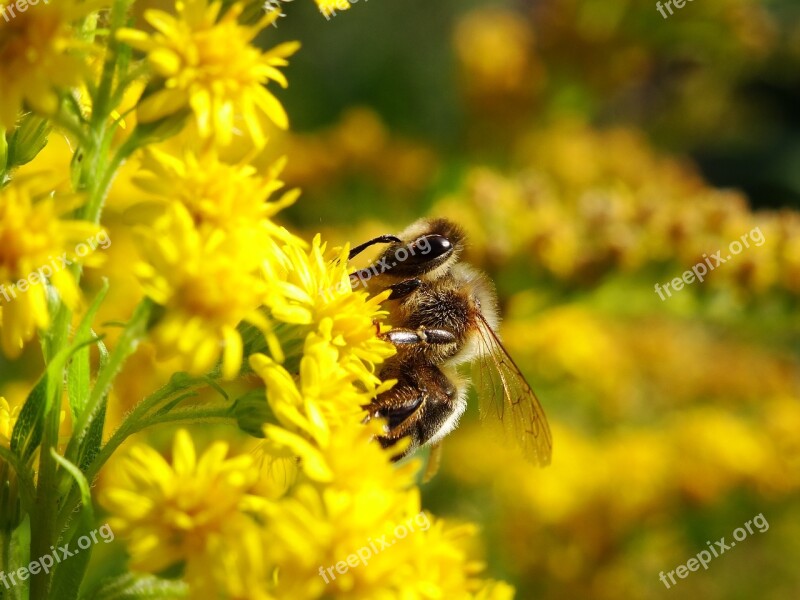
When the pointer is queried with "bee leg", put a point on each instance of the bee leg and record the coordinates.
(381, 239)
(404, 288)
(405, 337)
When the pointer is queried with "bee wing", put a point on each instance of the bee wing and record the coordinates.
(505, 395)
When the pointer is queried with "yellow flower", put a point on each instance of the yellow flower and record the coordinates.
(38, 56)
(197, 510)
(208, 282)
(326, 395)
(36, 245)
(316, 290)
(216, 193)
(8, 418)
(208, 64)
(371, 509)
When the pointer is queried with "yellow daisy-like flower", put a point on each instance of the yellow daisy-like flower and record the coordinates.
(208, 283)
(208, 64)
(38, 55)
(36, 246)
(169, 513)
(317, 288)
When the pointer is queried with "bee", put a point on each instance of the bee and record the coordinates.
(443, 315)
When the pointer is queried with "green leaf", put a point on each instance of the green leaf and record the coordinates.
(78, 376)
(27, 140)
(94, 439)
(132, 587)
(27, 433)
(68, 575)
(28, 430)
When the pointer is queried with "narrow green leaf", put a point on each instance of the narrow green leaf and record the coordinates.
(146, 587)
(94, 439)
(27, 433)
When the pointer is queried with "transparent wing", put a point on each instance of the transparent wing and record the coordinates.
(506, 396)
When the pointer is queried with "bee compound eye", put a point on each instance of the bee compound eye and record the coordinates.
(428, 248)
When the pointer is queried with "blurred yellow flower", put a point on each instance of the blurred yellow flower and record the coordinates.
(38, 56)
(8, 418)
(217, 193)
(36, 245)
(209, 65)
(208, 283)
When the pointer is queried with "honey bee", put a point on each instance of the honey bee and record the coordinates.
(443, 314)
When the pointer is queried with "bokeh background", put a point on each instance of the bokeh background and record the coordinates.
(591, 149)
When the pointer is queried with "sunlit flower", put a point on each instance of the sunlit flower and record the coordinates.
(169, 512)
(39, 55)
(317, 289)
(209, 65)
(217, 193)
(208, 283)
(363, 499)
(36, 245)
(326, 394)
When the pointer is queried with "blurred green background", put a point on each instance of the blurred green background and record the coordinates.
(592, 149)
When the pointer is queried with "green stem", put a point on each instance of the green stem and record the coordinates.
(129, 426)
(99, 188)
(44, 508)
(126, 345)
(5, 565)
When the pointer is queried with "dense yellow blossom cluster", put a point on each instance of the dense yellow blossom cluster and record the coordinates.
(215, 292)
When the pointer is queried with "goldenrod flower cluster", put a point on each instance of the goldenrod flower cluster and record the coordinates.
(584, 203)
(170, 115)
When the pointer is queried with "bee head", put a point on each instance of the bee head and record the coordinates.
(428, 248)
